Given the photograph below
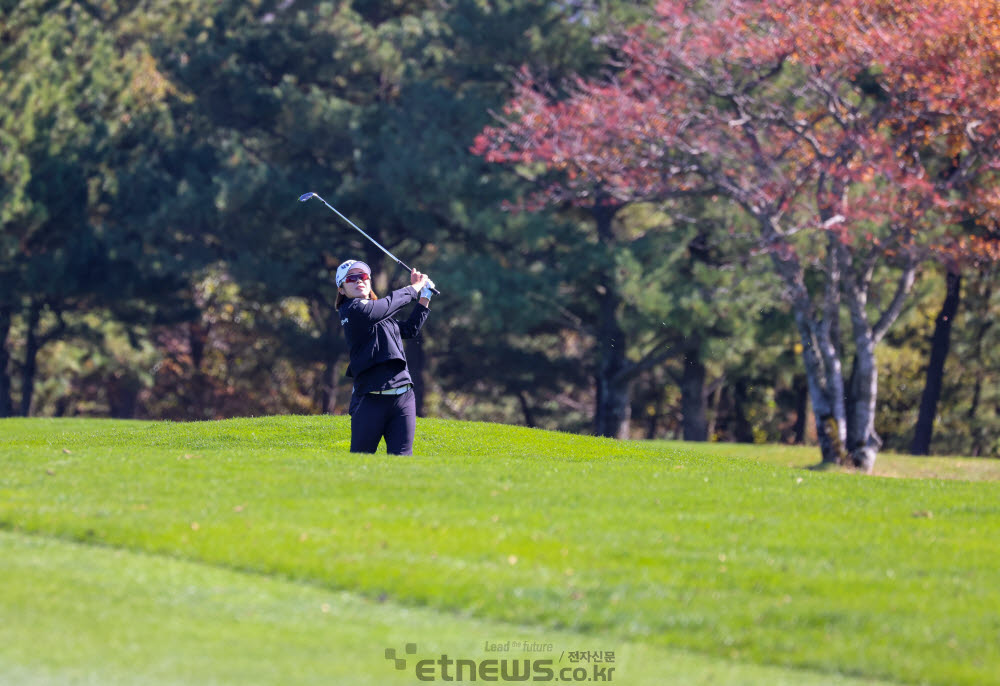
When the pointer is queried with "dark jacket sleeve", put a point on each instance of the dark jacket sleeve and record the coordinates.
(365, 313)
(411, 327)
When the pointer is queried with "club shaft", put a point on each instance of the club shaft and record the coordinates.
(358, 229)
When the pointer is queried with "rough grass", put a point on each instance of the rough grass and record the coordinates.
(694, 557)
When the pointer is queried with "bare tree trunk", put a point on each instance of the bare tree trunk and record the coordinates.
(197, 340)
(940, 343)
(828, 337)
(801, 409)
(34, 342)
(828, 411)
(653, 417)
(529, 415)
(123, 395)
(613, 380)
(30, 367)
(693, 397)
(614, 410)
(742, 428)
(863, 442)
(713, 409)
(614, 386)
(819, 335)
(6, 316)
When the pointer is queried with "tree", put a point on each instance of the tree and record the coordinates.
(372, 104)
(103, 218)
(826, 124)
(970, 376)
(185, 131)
(976, 257)
(14, 172)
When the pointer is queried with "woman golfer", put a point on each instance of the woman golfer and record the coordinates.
(382, 403)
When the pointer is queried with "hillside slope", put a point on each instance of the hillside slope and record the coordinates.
(667, 548)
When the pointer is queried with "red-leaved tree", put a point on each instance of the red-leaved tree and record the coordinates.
(860, 136)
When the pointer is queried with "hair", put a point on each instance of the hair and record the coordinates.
(341, 298)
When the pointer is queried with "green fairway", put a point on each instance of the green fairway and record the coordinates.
(92, 615)
(259, 551)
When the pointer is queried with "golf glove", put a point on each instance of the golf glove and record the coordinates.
(425, 292)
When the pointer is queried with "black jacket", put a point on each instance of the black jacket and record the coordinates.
(378, 361)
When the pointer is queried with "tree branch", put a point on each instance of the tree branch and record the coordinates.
(895, 308)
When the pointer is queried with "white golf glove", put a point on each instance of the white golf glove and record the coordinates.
(425, 292)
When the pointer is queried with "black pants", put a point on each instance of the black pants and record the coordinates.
(392, 416)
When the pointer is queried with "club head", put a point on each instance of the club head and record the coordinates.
(305, 196)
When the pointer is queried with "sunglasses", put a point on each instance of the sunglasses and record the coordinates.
(351, 278)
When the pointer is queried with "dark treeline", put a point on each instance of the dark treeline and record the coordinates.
(154, 262)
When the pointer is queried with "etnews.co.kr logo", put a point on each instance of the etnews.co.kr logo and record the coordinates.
(447, 669)
(390, 654)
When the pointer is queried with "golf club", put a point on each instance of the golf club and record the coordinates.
(308, 196)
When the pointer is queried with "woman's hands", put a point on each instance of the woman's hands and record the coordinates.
(418, 280)
(422, 285)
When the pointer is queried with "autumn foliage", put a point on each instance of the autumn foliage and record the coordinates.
(861, 137)
(841, 114)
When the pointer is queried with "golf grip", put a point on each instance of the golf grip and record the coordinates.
(400, 263)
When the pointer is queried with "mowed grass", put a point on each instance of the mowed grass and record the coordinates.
(261, 551)
(81, 614)
(888, 464)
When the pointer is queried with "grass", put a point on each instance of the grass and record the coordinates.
(888, 464)
(199, 553)
(96, 615)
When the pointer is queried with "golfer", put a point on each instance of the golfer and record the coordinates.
(382, 403)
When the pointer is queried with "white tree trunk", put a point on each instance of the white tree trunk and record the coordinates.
(820, 359)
